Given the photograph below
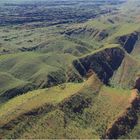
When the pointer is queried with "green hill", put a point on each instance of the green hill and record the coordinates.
(72, 72)
(88, 108)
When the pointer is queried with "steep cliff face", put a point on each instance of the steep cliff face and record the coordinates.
(103, 63)
(126, 75)
(128, 41)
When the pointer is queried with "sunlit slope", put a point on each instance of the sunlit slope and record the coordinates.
(26, 65)
(36, 69)
(83, 110)
(11, 86)
(8, 81)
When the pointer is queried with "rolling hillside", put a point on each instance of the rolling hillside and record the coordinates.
(70, 70)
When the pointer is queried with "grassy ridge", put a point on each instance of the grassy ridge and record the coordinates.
(90, 120)
(43, 70)
(27, 102)
(7, 81)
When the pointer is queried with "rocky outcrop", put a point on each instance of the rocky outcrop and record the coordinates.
(103, 63)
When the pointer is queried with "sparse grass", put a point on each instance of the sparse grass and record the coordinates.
(89, 108)
(7, 81)
(35, 67)
(13, 38)
(107, 46)
(106, 108)
(124, 29)
(100, 23)
(35, 99)
(52, 126)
